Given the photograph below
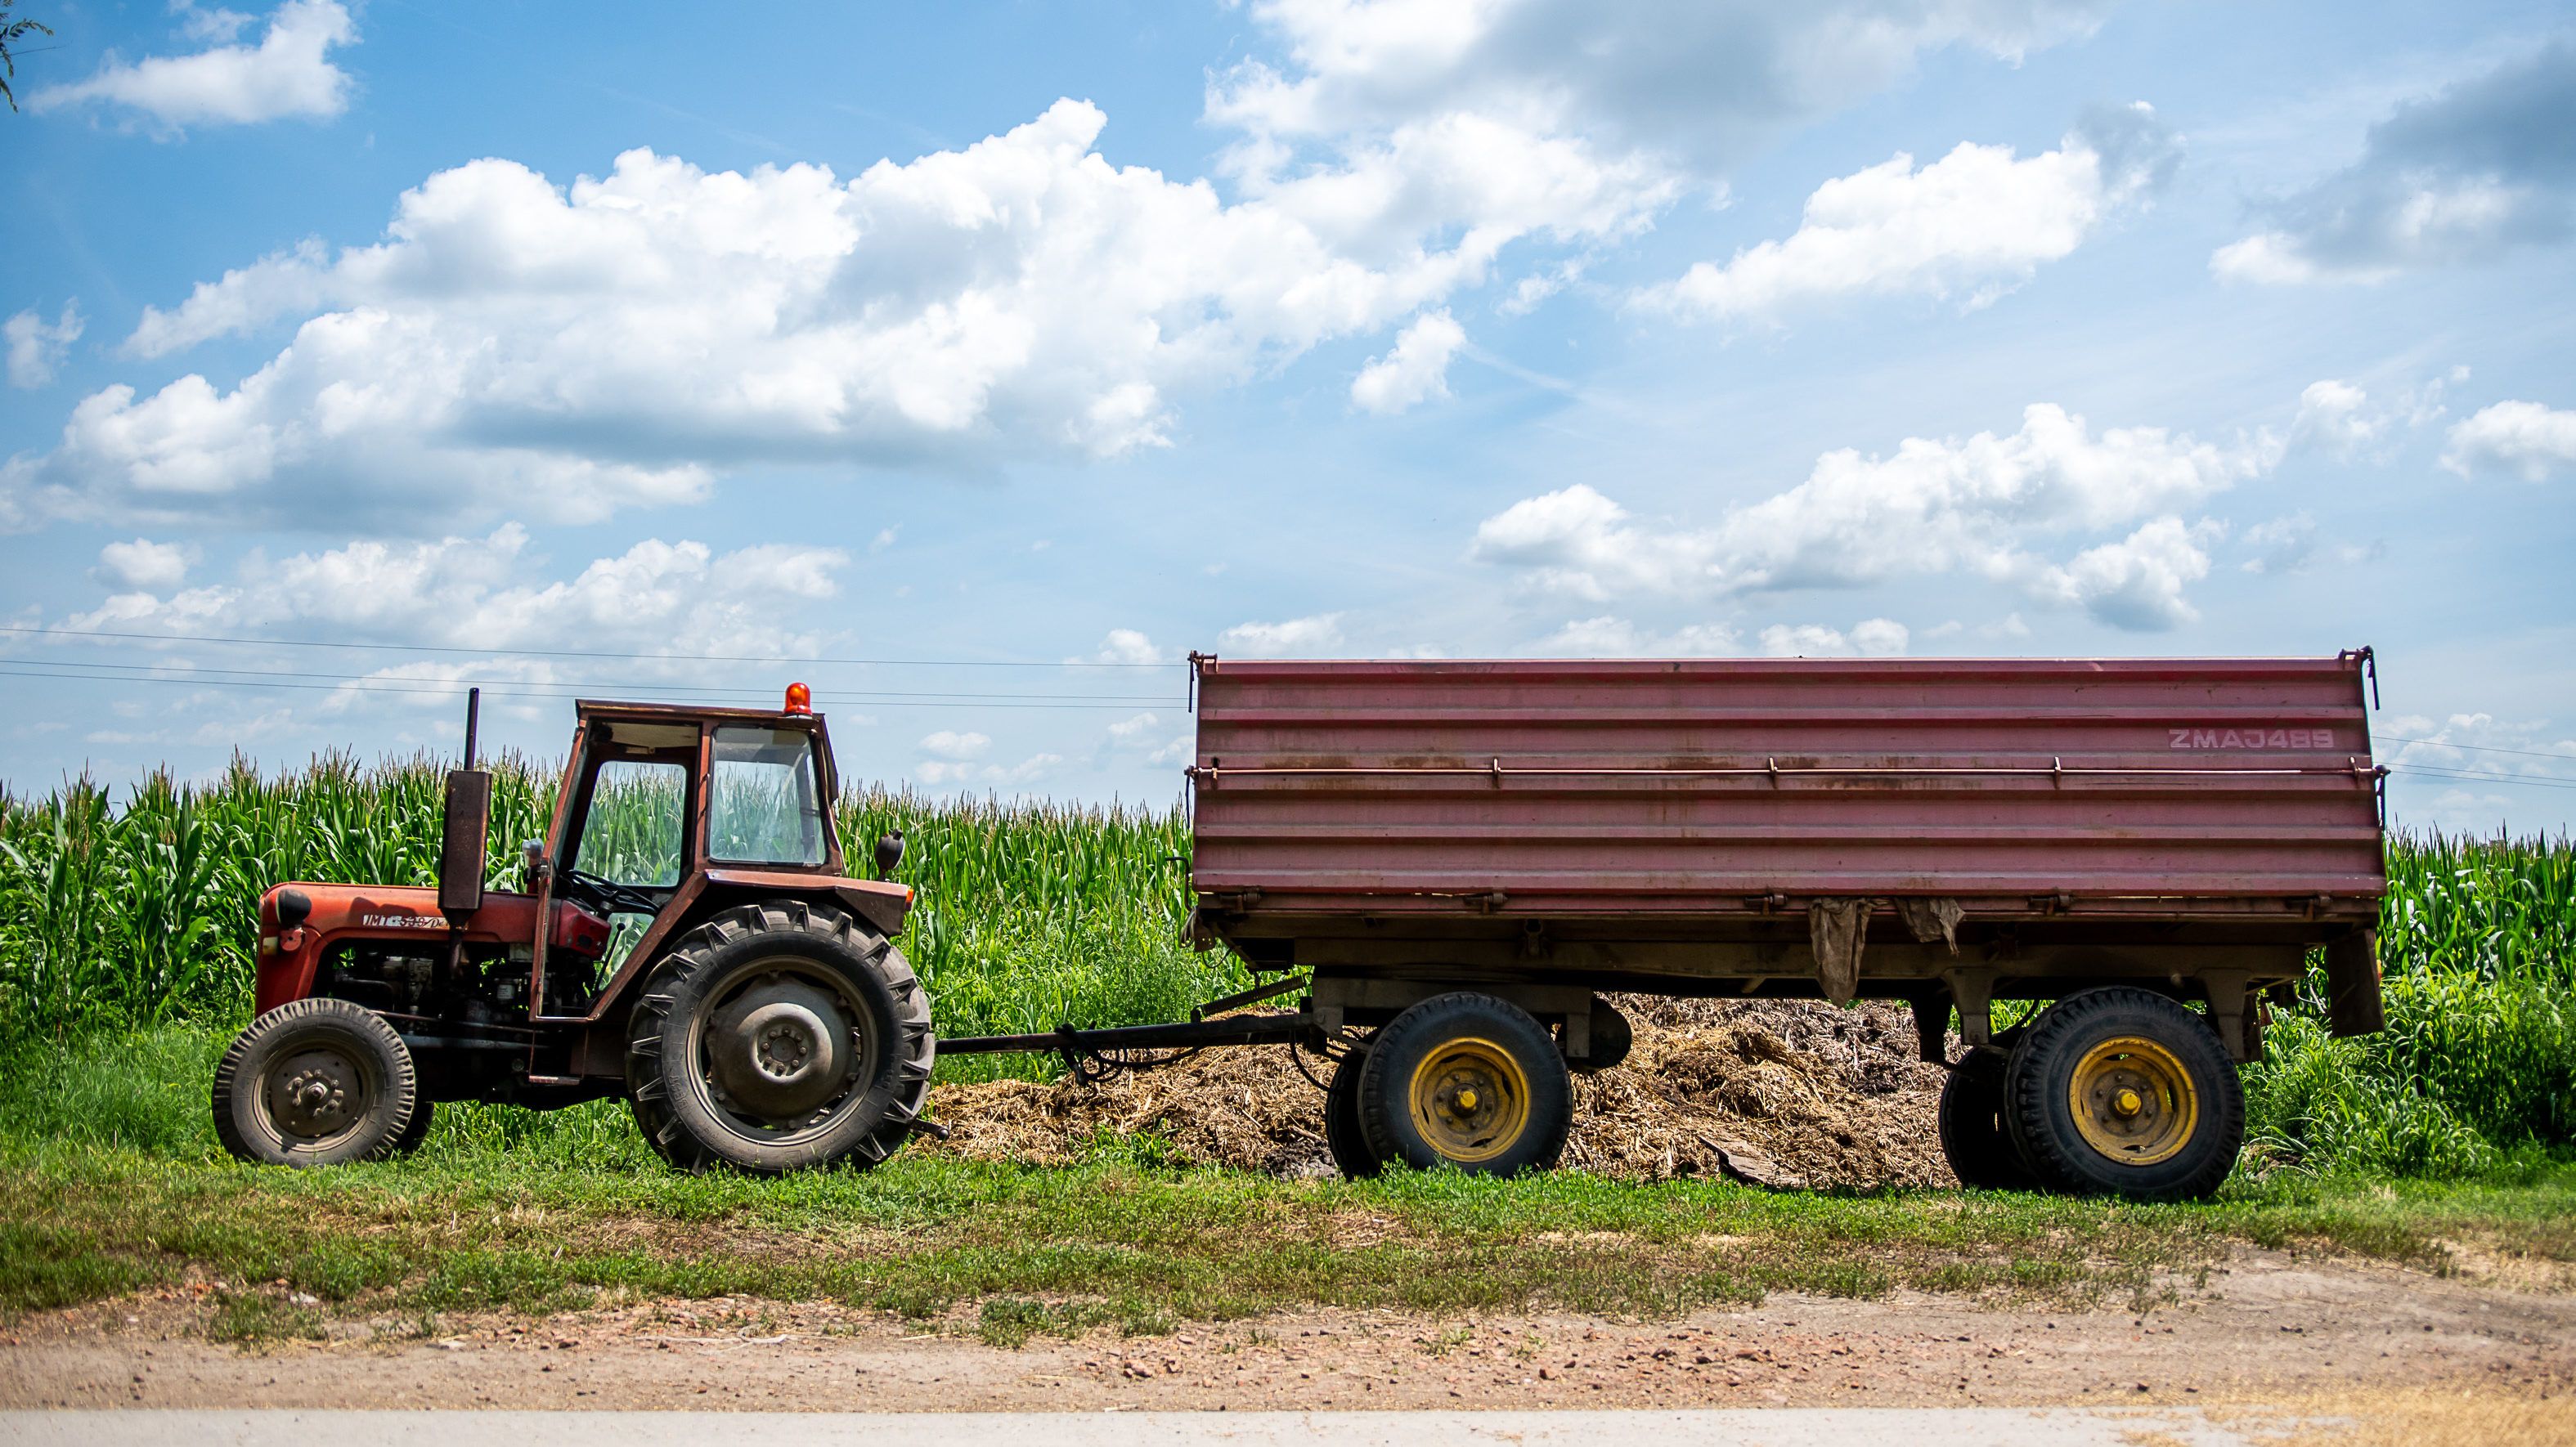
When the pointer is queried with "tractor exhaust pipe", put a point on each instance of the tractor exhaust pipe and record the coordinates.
(465, 829)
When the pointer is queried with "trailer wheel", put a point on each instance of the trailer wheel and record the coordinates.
(1612, 1038)
(2121, 1091)
(315, 1082)
(1342, 1133)
(777, 1036)
(1975, 1138)
(1470, 1081)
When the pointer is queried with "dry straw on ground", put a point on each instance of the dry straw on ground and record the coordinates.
(1780, 1093)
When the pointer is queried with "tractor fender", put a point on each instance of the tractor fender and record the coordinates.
(883, 905)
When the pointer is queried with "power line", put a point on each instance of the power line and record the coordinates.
(428, 688)
(2467, 777)
(2480, 748)
(216, 674)
(34, 630)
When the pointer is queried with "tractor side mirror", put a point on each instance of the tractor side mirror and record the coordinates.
(461, 844)
(534, 852)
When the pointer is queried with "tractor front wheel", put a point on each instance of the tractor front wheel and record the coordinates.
(778, 1036)
(316, 1082)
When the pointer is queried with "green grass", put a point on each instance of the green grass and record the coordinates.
(125, 937)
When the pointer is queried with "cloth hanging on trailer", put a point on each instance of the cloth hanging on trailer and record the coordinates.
(1836, 930)
(1932, 919)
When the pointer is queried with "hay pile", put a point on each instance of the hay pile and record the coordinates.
(1777, 1092)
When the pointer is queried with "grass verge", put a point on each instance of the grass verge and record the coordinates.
(110, 1183)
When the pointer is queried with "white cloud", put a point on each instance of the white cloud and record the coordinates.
(474, 592)
(1700, 85)
(2524, 438)
(2336, 417)
(1271, 640)
(952, 745)
(1143, 733)
(617, 343)
(289, 73)
(1619, 638)
(2424, 752)
(214, 26)
(2272, 259)
(1975, 224)
(2455, 178)
(144, 566)
(2284, 544)
(2481, 741)
(1869, 638)
(1030, 770)
(1416, 370)
(1932, 506)
(2137, 582)
(1575, 541)
(246, 299)
(36, 349)
(1126, 645)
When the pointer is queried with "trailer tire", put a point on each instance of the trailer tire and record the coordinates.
(1343, 1135)
(1612, 1038)
(315, 1082)
(779, 1036)
(1975, 1137)
(2122, 1091)
(1470, 1081)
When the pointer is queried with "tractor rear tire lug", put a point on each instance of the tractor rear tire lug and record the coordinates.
(871, 991)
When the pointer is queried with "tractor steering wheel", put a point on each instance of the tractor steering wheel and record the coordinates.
(616, 896)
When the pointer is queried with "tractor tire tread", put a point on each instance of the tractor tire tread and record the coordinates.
(325, 1014)
(911, 1034)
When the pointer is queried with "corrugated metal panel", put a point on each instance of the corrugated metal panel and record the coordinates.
(1653, 787)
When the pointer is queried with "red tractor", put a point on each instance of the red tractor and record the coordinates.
(687, 939)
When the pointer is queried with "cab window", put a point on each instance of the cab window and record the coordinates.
(764, 806)
(633, 833)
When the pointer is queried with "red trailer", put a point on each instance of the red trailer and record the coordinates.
(1458, 858)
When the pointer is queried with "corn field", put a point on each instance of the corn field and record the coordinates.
(1029, 915)
(140, 915)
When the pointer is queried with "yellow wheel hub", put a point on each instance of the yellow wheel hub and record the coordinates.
(2133, 1101)
(1469, 1099)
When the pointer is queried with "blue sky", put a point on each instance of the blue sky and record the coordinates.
(1020, 349)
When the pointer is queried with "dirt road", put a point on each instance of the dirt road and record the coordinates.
(2266, 1329)
(1813, 1427)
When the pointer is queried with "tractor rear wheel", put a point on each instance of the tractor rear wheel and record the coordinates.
(1470, 1081)
(316, 1082)
(1342, 1133)
(2121, 1091)
(778, 1036)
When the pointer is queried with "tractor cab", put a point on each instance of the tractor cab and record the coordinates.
(653, 798)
